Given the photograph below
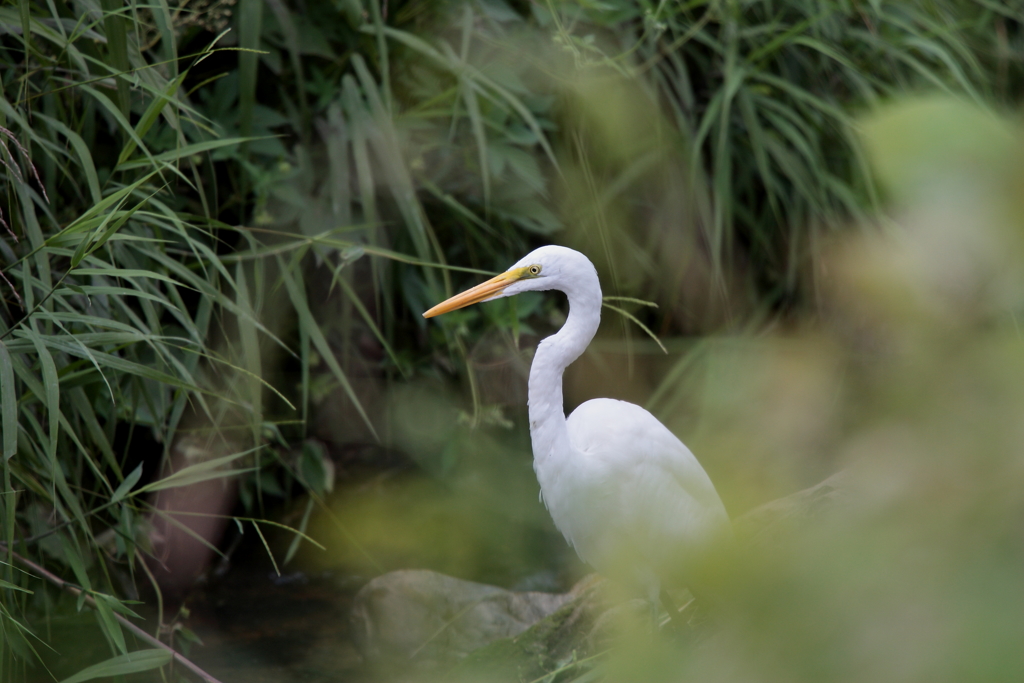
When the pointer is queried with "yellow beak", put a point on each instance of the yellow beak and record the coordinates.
(484, 290)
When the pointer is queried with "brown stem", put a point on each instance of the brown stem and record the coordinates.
(75, 590)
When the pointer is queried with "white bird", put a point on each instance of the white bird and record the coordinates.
(623, 490)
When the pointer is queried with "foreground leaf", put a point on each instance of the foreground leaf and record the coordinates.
(133, 662)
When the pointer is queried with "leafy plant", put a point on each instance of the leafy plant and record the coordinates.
(114, 292)
(204, 229)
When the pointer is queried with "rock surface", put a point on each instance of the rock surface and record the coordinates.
(568, 635)
(430, 618)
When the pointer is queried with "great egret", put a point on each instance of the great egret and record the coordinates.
(623, 490)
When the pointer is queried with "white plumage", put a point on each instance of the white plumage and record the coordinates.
(623, 490)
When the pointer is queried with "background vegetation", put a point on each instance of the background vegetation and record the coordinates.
(221, 221)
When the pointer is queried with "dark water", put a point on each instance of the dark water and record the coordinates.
(259, 627)
(255, 627)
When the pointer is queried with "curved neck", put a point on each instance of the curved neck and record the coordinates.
(548, 430)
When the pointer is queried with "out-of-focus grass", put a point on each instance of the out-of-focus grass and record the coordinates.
(913, 382)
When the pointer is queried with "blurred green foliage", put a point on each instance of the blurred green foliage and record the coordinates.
(221, 240)
(914, 389)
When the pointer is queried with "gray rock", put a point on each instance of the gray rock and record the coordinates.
(430, 618)
(568, 635)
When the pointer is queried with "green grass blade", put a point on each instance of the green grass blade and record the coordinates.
(199, 472)
(632, 318)
(126, 485)
(250, 28)
(185, 152)
(134, 662)
(108, 623)
(116, 29)
(266, 546)
(250, 352)
(150, 116)
(52, 388)
(293, 547)
(8, 407)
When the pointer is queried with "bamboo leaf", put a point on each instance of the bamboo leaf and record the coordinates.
(73, 556)
(108, 622)
(126, 485)
(133, 662)
(201, 471)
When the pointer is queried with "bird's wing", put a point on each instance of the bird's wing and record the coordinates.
(646, 489)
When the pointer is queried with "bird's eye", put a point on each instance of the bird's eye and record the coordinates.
(534, 270)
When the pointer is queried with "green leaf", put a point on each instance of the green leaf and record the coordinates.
(460, 69)
(108, 622)
(117, 114)
(266, 546)
(126, 485)
(8, 404)
(102, 234)
(128, 273)
(116, 29)
(100, 208)
(188, 150)
(250, 21)
(293, 547)
(51, 385)
(73, 556)
(13, 587)
(133, 662)
(250, 350)
(150, 116)
(84, 154)
(202, 471)
(631, 300)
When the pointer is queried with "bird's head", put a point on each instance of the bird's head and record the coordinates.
(550, 267)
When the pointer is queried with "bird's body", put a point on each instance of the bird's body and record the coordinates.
(629, 496)
(623, 490)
